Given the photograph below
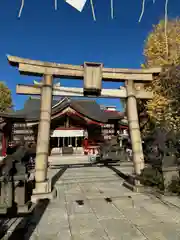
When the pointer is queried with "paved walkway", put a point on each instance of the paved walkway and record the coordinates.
(67, 159)
(92, 204)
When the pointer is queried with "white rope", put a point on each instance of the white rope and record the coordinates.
(165, 27)
(21, 8)
(112, 9)
(55, 4)
(93, 12)
(142, 11)
(154, 1)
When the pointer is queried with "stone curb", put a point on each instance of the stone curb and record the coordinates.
(152, 192)
(166, 202)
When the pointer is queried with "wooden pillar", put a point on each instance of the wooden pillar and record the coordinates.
(42, 150)
(120, 140)
(4, 144)
(67, 122)
(134, 129)
(70, 141)
(58, 142)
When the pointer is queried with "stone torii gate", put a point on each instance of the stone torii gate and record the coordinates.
(93, 75)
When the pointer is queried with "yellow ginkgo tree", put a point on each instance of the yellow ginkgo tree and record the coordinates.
(164, 50)
(5, 98)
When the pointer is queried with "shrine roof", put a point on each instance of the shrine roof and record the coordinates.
(88, 108)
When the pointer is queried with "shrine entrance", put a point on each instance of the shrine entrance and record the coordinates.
(93, 74)
(63, 138)
(59, 142)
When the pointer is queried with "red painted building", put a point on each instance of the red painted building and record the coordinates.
(76, 123)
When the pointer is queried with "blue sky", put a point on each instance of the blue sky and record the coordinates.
(67, 36)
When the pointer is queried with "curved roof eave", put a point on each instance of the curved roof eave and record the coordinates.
(87, 108)
(12, 115)
(36, 120)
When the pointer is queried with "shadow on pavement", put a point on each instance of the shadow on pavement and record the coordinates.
(73, 165)
(81, 165)
(58, 175)
(126, 177)
(27, 225)
(29, 221)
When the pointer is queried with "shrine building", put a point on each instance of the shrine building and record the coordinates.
(72, 121)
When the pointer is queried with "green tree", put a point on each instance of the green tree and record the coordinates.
(5, 98)
(164, 51)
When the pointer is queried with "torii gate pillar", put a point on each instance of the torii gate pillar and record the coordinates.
(42, 151)
(134, 129)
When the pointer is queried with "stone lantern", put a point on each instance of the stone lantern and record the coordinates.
(92, 79)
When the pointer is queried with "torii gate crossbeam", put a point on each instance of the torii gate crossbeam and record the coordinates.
(78, 92)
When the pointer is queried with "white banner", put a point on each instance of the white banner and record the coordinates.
(78, 4)
(68, 133)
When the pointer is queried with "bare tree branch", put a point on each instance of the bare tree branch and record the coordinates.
(144, 124)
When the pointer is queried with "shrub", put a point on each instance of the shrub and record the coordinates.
(152, 177)
(174, 186)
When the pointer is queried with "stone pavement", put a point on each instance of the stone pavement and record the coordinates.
(92, 204)
(66, 159)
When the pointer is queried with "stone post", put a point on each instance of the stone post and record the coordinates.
(42, 150)
(169, 173)
(134, 129)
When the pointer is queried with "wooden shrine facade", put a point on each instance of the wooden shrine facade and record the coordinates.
(71, 122)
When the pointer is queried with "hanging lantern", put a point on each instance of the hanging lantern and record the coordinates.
(92, 79)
